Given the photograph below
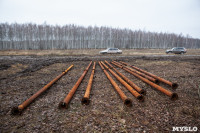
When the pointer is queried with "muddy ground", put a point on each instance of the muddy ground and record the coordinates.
(22, 76)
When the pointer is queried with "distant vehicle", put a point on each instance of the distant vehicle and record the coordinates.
(176, 50)
(111, 51)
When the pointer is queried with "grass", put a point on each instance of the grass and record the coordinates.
(78, 52)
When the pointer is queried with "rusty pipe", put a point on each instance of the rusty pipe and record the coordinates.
(65, 102)
(173, 85)
(117, 63)
(141, 74)
(20, 108)
(138, 89)
(85, 100)
(172, 95)
(124, 63)
(133, 92)
(127, 101)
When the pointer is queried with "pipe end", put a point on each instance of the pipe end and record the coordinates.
(85, 101)
(174, 96)
(128, 102)
(143, 92)
(62, 105)
(174, 85)
(140, 98)
(16, 111)
(157, 81)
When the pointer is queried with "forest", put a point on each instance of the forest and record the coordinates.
(43, 36)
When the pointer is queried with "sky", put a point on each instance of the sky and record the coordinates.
(170, 16)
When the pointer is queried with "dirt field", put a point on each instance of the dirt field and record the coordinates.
(22, 76)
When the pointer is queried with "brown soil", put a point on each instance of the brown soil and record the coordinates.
(22, 76)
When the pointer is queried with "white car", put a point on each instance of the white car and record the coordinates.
(111, 51)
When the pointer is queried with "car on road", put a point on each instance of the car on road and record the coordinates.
(177, 50)
(111, 51)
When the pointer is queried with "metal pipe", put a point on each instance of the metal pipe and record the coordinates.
(117, 63)
(85, 100)
(141, 91)
(124, 63)
(173, 85)
(172, 95)
(127, 101)
(141, 74)
(20, 108)
(65, 102)
(135, 93)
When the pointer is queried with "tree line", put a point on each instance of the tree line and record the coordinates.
(43, 36)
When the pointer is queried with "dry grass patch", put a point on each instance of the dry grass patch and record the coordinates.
(71, 52)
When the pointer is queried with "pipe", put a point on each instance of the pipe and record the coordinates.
(138, 89)
(172, 95)
(20, 108)
(135, 93)
(141, 74)
(85, 100)
(124, 63)
(173, 85)
(127, 101)
(117, 63)
(65, 102)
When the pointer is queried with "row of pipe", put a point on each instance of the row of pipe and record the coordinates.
(127, 101)
(65, 102)
(136, 91)
(173, 85)
(126, 85)
(144, 75)
(137, 72)
(123, 66)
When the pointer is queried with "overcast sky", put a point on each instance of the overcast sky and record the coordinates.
(172, 16)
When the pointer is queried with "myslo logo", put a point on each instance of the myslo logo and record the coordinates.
(185, 129)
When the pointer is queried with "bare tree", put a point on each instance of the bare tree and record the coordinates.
(43, 36)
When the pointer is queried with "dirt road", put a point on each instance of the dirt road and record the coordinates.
(22, 76)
